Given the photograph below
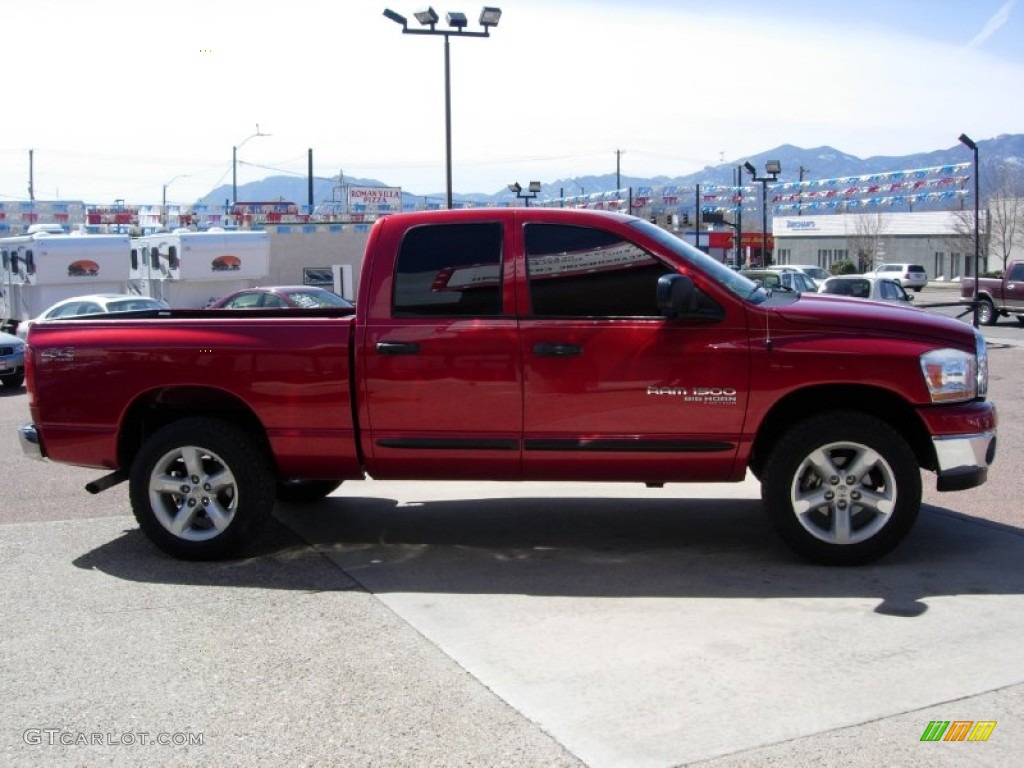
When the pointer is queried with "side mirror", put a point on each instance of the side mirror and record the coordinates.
(677, 295)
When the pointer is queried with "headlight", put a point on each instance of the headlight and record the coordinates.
(951, 375)
(982, 351)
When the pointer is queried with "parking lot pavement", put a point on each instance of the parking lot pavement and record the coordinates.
(640, 629)
(107, 648)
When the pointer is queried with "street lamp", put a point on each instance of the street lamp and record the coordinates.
(971, 145)
(234, 162)
(531, 192)
(163, 208)
(772, 169)
(457, 23)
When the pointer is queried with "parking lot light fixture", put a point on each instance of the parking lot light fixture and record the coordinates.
(968, 142)
(489, 17)
(772, 170)
(427, 18)
(457, 25)
(531, 191)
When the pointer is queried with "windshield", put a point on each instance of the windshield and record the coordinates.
(310, 299)
(738, 284)
(133, 305)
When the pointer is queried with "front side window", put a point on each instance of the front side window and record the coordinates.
(579, 271)
(449, 270)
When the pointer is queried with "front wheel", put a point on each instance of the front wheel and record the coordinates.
(842, 488)
(201, 489)
(13, 381)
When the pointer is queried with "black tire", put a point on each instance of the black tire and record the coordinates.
(202, 489)
(987, 314)
(305, 491)
(830, 511)
(13, 381)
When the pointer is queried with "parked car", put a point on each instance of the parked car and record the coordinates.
(814, 272)
(866, 287)
(908, 275)
(281, 296)
(93, 304)
(12, 360)
(789, 280)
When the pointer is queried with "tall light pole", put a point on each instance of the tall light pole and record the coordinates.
(971, 145)
(772, 168)
(234, 162)
(457, 22)
(739, 216)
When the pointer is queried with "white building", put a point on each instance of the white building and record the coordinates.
(940, 241)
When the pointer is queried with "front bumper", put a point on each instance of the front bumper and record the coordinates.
(964, 460)
(31, 446)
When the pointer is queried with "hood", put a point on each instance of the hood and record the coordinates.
(844, 314)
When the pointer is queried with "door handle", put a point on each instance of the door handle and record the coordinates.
(557, 350)
(398, 347)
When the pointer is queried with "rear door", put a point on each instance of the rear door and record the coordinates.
(442, 387)
(612, 389)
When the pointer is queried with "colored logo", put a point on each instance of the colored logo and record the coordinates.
(958, 730)
(83, 268)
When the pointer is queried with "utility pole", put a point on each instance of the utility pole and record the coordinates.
(800, 194)
(31, 184)
(618, 168)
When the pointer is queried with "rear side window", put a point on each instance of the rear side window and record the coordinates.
(449, 270)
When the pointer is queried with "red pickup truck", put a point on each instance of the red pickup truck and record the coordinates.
(522, 344)
(997, 295)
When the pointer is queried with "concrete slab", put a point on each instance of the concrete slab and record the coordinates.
(652, 628)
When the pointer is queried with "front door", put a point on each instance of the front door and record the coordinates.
(612, 389)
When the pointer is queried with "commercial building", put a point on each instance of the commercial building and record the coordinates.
(940, 241)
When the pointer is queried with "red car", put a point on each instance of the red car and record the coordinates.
(281, 297)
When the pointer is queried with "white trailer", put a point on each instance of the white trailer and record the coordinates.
(40, 268)
(190, 269)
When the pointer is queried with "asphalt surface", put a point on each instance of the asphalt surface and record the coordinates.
(451, 624)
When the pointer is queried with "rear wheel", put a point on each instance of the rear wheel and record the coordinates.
(201, 489)
(987, 314)
(842, 488)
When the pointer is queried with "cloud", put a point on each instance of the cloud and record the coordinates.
(993, 24)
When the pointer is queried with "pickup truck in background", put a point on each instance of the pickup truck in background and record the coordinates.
(997, 296)
(522, 344)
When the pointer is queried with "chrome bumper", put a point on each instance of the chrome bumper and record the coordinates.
(964, 460)
(31, 447)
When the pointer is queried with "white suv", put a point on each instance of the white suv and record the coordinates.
(908, 275)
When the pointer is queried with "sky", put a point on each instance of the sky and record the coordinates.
(129, 100)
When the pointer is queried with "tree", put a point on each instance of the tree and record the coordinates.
(1006, 213)
(1001, 225)
(866, 246)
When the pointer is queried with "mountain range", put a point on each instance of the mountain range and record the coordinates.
(797, 164)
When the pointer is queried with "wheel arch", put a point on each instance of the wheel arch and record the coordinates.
(880, 403)
(155, 409)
